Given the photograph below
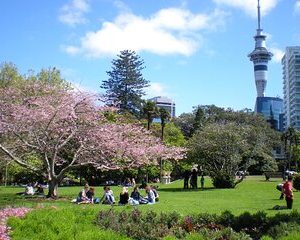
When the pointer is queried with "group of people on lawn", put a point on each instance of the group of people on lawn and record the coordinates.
(87, 195)
(192, 178)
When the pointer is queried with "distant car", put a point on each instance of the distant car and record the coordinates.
(290, 173)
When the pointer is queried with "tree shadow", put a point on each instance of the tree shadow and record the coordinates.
(185, 190)
(275, 181)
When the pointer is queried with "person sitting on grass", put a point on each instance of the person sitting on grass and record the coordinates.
(150, 198)
(108, 196)
(91, 196)
(156, 196)
(124, 196)
(82, 198)
(39, 190)
(135, 196)
(29, 189)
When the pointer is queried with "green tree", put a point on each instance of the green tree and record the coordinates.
(290, 141)
(199, 119)
(185, 122)
(125, 84)
(232, 141)
(219, 148)
(164, 117)
(9, 75)
(150, 111)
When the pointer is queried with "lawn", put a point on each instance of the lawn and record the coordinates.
(253, 194)
(60, 219)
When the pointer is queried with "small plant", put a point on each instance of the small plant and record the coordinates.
(296, 182)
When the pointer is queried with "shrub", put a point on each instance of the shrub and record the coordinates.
(296, 181)
(147, 226)
(223, 181)
(283, 229)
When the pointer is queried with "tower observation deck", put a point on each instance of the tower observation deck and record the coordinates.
(260, 57)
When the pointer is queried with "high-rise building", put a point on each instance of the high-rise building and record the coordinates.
(166, 103)
(260, 57)
(271, 108)
(291, 87)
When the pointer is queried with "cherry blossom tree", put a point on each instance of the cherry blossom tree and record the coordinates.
(69, 129)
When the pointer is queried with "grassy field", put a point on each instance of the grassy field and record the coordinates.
(253, 194)
(60, 219)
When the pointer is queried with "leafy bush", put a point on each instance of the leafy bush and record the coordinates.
(296, 181)
(151, 226)
(283, 229)
(223, 181)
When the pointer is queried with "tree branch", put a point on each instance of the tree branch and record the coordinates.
(17, 160)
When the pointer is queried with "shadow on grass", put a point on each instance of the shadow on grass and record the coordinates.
(271, 181)
(185, 190)
(277, 207)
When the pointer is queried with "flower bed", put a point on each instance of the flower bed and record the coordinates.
(5, 213)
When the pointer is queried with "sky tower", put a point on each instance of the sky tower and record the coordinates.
(260, 57)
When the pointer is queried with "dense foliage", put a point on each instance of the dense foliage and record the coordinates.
(67, 129)
(151, 225)
(227, 142)
(125, 84)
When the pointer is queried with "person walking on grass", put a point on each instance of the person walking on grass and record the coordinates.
(288, 192)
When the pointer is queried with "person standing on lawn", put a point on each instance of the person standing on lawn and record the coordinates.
(202, 182)
(288, 192)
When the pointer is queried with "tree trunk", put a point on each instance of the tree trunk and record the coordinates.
(162, 132)
(52, 189)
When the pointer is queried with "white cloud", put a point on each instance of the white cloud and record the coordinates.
(250, 6)
(71, 50)
(278, 54)
(297, 7)
(73, 13)
(156, 89)
(168, 31)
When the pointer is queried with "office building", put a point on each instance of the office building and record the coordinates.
(291, 87)
(272, 109)
(166, 103)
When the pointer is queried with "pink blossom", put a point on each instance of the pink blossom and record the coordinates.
(53, 123)
(5, 214)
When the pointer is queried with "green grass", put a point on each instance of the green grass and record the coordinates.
(253, 194)
(60, 219)
(59, 224)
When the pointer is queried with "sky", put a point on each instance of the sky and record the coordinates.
(195, 51)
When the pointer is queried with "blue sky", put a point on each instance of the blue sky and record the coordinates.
(195, 51)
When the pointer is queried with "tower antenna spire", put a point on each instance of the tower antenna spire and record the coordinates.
(258, 14)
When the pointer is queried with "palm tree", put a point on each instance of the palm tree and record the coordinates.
(150, 111)
(164, 117)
